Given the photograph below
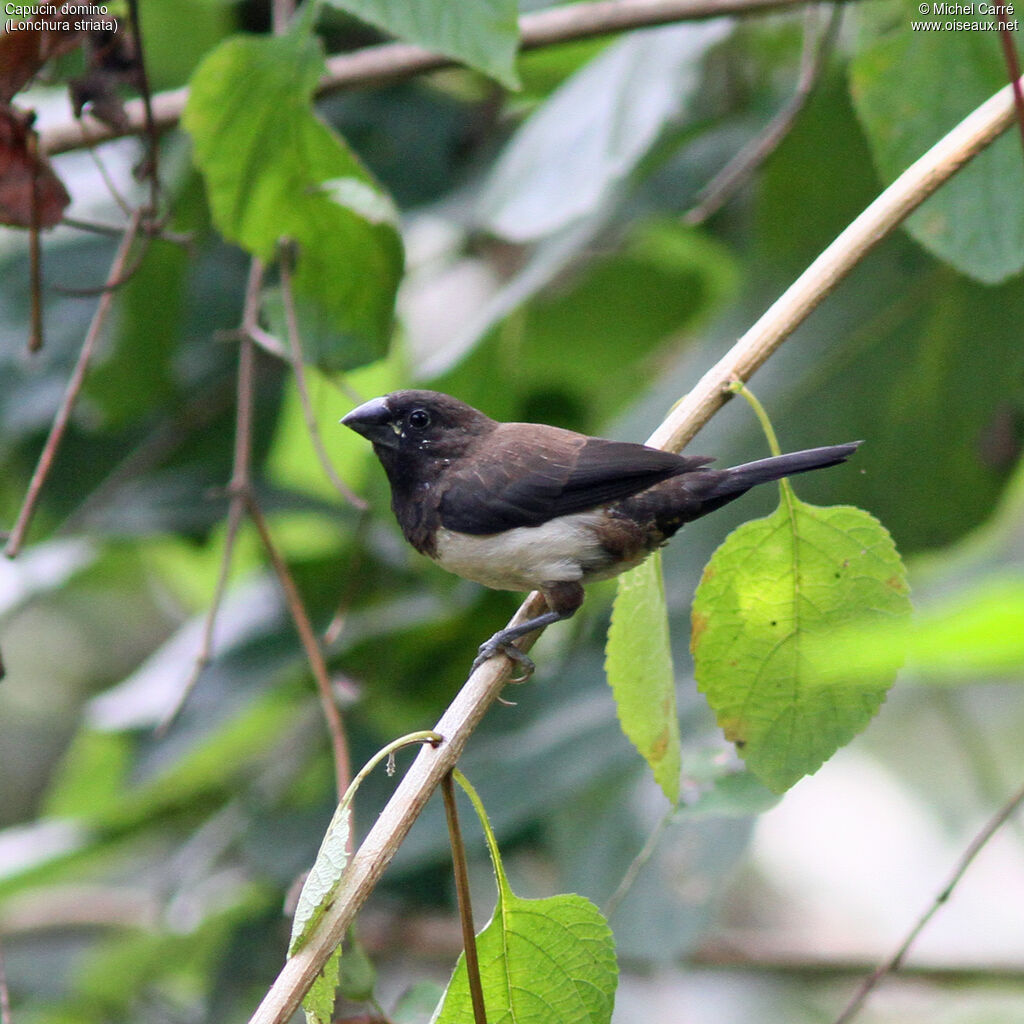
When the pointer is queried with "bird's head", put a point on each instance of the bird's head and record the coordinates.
(417, 428)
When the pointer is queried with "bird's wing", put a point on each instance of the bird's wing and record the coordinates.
(532, 474)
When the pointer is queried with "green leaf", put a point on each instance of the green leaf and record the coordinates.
(481, 33)
(638, 663)
(567, 159)
(318, 1005)
(907, 96)
(322, 881)
(318, 891)
(358, 976)
(549, 961)
(774, 585)
(273, 170)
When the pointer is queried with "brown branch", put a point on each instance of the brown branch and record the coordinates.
(394, 61)
(109, 285)
(35, 256)
(817, 44)
(148, 123)
(894, 962)
(1013, 69)
(5, 996)
(240, 480)
(63, 414)
(686, 418)
(281, 12)
(299, 369)
(451, 811)
(314, 654)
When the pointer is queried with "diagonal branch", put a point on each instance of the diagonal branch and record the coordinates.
(394, 61)
(977, 844)
(919, 181)
(63, 415)
(818, 42)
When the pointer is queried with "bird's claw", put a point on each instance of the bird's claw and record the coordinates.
(498, 645)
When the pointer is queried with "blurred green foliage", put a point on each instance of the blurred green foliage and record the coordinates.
(142, 876)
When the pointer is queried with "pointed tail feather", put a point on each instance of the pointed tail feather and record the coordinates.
(734, 481)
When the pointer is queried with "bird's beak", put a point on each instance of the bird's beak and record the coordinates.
(373, 419)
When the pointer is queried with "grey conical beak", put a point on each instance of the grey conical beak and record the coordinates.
(373, 419)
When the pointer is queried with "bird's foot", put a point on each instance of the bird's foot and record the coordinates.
(500, 644)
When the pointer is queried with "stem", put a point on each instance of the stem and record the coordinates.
(149, 125)
(314, 654)
(637, 863)
(35, 259)
(476, 989)
(408, 740)
(63, 414)
(5, 996)
(816, 47)
(737, 387)
(1013, 68)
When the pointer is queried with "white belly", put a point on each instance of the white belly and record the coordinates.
(528, 557)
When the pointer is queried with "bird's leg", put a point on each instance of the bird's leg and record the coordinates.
(563, 599)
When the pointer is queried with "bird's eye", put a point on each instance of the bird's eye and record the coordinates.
(419, 419)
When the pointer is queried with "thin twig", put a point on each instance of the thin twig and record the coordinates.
(91, 138)
(816, 46)
(394, 61)
(5, 996)
(240, 480)
(35, 256)
(636, 865)
(63, 414)
(1013, 69)
(476, 989)
(891, 965)
(281, 12)
(149, 124)
(686, 418)
(299, 369)
(314, 654)
(109, 285)
(153, 230)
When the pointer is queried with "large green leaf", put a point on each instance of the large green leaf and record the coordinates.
(481, 33)
(567, 159)
(547, 961)
(773, 586)
(639, 668)
(273, 170)
(909, 89)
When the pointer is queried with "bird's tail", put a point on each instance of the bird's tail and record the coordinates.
(731, 483)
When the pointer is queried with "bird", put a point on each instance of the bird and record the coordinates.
(527, 506)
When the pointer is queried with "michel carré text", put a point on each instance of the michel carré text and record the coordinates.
(953, 10)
